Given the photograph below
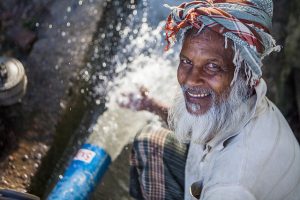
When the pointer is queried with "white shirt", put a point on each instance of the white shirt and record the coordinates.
(260, 162)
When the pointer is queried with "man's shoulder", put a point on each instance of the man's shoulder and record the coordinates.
(268, 129)
(266, 139)
(265, 155)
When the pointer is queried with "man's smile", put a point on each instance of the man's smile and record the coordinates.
(198, 100)
(197, 95)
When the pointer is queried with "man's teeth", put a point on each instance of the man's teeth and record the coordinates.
(198, 95)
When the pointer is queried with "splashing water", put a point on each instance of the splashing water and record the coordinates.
(140, 60)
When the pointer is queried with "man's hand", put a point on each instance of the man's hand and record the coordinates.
(142, 101)
(136, 101)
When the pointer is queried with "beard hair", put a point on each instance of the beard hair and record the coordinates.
(226, 115)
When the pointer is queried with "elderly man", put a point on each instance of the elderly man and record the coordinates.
(239, 146)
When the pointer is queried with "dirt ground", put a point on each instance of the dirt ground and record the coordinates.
(18, 32)
(34, 31)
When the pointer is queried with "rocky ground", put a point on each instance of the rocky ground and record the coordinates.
(51, 39)
(18, 25)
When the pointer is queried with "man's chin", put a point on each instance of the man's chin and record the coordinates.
(195, 109)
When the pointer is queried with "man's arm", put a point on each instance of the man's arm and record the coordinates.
(156, 107)
(142, 101)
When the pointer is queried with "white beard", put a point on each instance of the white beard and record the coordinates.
(227, 117)
(223, 118)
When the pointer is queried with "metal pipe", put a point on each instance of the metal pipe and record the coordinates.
(108, 135)
(83, 173)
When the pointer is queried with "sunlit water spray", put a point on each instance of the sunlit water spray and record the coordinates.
(140, 61)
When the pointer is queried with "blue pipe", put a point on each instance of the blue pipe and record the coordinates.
(82, 175)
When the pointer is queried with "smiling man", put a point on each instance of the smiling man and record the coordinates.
(233, 142)
(209, 95)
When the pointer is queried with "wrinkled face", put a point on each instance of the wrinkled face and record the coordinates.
(205, 70)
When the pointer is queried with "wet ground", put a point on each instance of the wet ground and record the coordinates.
(18, 161)
(34, 32)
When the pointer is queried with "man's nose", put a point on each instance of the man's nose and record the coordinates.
(195, 77)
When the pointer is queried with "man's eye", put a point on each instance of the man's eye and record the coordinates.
(185, 61)
(213, 67)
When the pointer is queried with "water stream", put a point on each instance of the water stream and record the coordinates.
(140, 61)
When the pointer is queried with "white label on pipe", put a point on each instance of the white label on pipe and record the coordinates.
(85, 155)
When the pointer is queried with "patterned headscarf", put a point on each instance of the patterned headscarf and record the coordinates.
(246, 22)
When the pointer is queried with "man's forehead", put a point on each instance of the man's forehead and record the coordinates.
(212, 38)
(196, 36)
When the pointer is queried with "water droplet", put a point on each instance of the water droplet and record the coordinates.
(69, 9)
(38, 156)
(145, 3)
(85, 75)
(80, 2)
(63, 34)
(24, 176)
(37, 24)
(4, 181)
(25, 157)
(62, 105)
(68, 24)
(96, 50)
(50, 26)
(11, 158)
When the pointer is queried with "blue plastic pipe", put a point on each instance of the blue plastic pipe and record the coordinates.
(83, 174)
